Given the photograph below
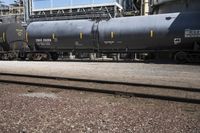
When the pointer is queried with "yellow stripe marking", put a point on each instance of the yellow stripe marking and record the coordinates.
(53, 36)
(151, 33)
(112, 35)
(81, 35)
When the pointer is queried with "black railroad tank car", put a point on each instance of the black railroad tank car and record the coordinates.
(12, 36)
(165, 31)
(172, 32)
(61, 35)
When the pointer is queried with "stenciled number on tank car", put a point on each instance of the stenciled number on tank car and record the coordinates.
(192, 33)
(43, 41)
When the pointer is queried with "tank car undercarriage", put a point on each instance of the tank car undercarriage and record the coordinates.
(131, 56)
(151, 55)
(8, 55)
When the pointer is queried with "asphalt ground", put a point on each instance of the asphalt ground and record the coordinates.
(148, 73)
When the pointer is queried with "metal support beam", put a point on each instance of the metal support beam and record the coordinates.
(146, 7)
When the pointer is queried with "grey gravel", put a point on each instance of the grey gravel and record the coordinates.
(74, 111)
(33, 109)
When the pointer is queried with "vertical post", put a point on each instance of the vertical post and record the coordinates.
(30, 6)
(146, 7)
(142, 8)
(118, 57)
(115, 11)
(25, 10)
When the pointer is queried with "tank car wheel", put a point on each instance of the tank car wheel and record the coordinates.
(1, 56)
(181, 57)
(44, 57)
(30, 57)
(54, 56)
(23, 58)
(11, 56)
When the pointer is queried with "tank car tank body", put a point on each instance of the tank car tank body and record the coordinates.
(173, 32)
(12, 39)
(61, 35)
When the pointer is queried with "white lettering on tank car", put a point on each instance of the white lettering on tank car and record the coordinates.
(38, 40)
(47, 40)
(43, 42)
(177, 41)
(109, 42)
(192, 33)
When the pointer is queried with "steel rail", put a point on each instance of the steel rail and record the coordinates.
(104, 91)
(189, 89)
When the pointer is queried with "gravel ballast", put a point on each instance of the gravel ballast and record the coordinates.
(33, 109)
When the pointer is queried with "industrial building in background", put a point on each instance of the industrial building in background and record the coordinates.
(45, 10)
(169, 6)
(71, 9)
(12, 13)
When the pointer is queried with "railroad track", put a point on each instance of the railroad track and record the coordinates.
(161, 92)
